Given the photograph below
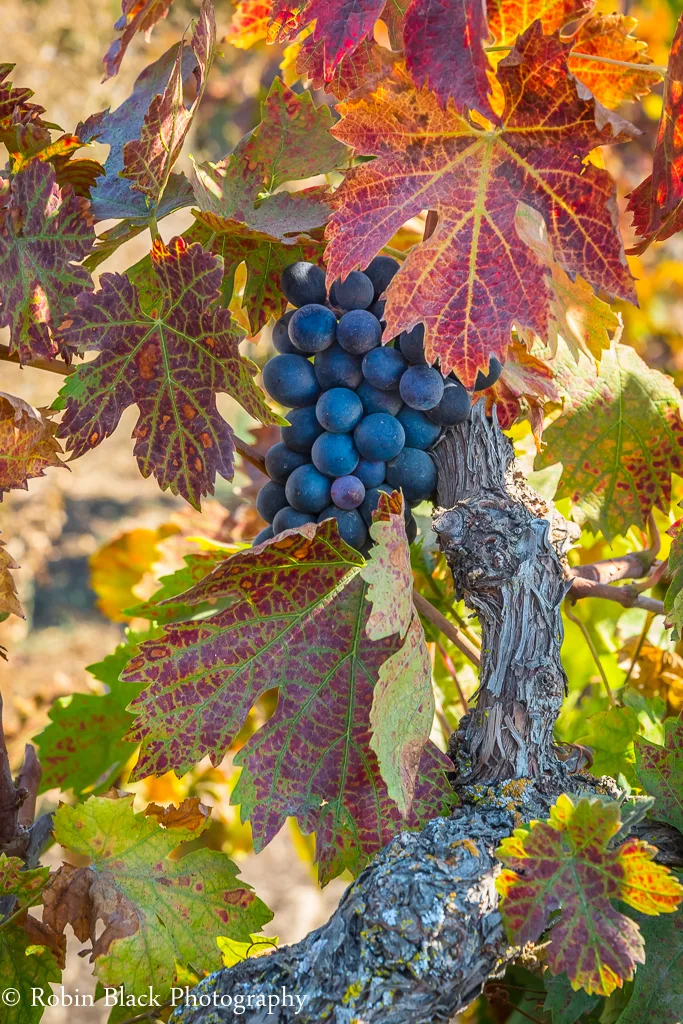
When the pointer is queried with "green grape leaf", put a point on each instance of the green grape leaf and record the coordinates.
(170, 353)
(657, 996)
(610, 735)
(136, 16)
(147, 161)
(27, 443)
(619, 438)
(242, 218)
(45, 232)
(290, 615)
(660, 772)
(566, 864)
(157, 909)
(83, 748)
(402, 710)
(564, 1005)
(167, 604)
(27, 966)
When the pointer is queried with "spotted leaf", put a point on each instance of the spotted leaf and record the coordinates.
(170, 353)
(291, 615)
(136, 16)
(471, 279)
(27, 443)
(660, 772)
(158, 910)
(526, 385)
(566, 864)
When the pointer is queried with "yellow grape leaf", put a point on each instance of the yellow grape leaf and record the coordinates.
(118, 566)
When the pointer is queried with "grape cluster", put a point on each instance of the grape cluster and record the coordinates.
(362, 415)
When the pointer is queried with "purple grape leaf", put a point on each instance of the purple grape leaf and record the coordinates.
(169, 352)
(45, 232)
(147, 161)
(660, 772)
(136, 16)
(244, 218)
(291, 615)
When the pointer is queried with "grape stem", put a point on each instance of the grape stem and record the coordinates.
(250, 454)
(53, 365)
(431, 613)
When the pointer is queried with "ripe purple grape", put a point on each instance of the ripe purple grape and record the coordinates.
(288, 519)
(379, 437)
(290, 380)
(281, 460)
(270, 499)
(335, 454)
(375, 400)
(454, 407)
(303, 429)
(421, 387)
(303, 283)
(358, 332)
(347, 492)
(336, 368)
(339, 410)
(412, 345)
(383, 368)
(420, 432)
(381, 272)
(312, 328)
(487, 380)
(414, 472)
(307, 490)
(265, 534)
(350, 524)
(370, 473)
(356, 292)
(281, 340)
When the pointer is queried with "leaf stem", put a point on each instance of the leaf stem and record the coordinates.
(656, 69)
(639, 646)
(396, 253)
(53, 365)
(427, 609)
(592, 648)
(250, 454)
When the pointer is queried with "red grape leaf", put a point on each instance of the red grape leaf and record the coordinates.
(27, 443)
(471, 279)
(147, 161)
(402, 710)
(136, 16)
(44, 233)
(619, 438)
(509, 18)
(249, 24)
(660, 772)
(367, 63)
(444, 47)
(159, 909)
(28, 143)
(526, 384)
(114, 197)
(295, 619)
(9, 599)
(170, 354)
(340, 25)
(15, 105)
(609, 35)
(673, 599)
(565, 864)
(657, 203)
(247, 221)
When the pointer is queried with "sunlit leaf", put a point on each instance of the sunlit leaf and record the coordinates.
(136, 16)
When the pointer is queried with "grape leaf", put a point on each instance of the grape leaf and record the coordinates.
(660, 771)
(117, 567)
(583, 321)
(83, 748)
(295, 619)
(246, 221)
(564, 1005)
(114, 197)
(444, 48)
(565, 864)
(509, 18)
(471, 279)
(673, 599)
(27, 443)
(170, 356)
(402, 709)
(366, 64)
(526, 385)
(26, 966)
(44, 232)
(657, 203)
(157, 909)
(136, 16)
(167, 604)
(147, 161)
(610, 735)
(610, 36)
(658, 989)
(15, 105)
(249, 23)
(9, 600)
(619, 438)
(340, 25)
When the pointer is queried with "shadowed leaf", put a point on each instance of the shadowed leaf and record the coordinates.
(136, 16)
(27, 444)
(658, 989)
(9, 600)
(660, 771)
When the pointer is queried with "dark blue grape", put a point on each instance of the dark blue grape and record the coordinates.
(347, 492)
(288, 519)
(377, 309)
(265, 534)
(411, 529)
(383, 368)
(336, 368)
(381, 271)
(339, 410)
(421, 387)
(379, 437)
(414, 472)
(371, 473)
(454, 407)
(303, 430)
(359, 331)
(420, 432)
(281, 460)
(307, 490)
(270, 499)
(487, 380)
(290, 380)
(312, 328)
(303, 283)
(375, 400)
(335, 454)
(356, 292)
(281, 340)
(371, 501)
(412, 345)
(349, 523)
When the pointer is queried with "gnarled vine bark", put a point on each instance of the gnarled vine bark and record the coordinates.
(418, 933)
